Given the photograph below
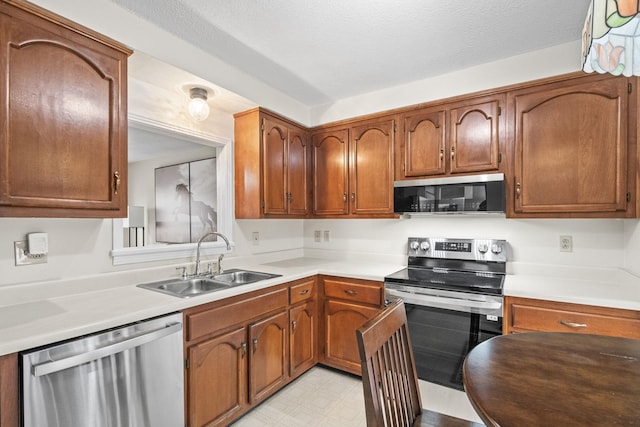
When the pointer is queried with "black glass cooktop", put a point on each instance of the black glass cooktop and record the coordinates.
(464, 281)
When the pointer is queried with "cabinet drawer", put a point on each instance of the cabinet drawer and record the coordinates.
(555, 319)
(206, 322)
(368, 294)
(302, 290)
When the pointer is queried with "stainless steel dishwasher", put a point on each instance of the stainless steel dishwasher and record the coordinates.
(126, 377)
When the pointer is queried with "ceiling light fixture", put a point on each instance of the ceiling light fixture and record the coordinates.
(198, 107)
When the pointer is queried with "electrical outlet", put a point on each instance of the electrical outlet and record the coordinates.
(255, 237)
(566, 244)
(327, 235)
(317, 235)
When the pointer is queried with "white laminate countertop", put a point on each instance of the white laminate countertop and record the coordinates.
(33, 315)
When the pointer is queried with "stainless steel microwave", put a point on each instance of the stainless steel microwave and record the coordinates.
(450, 195)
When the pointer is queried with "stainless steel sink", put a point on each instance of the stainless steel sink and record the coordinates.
(242, 277)
(185, 288)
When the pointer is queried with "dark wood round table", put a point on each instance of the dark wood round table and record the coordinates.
(555, 379)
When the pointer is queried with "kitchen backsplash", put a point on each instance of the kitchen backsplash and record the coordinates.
(82, 247)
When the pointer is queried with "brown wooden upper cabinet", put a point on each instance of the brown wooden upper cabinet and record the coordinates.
(572, 148)
(63, 142)
(353, 169)
(446, 139)
(272, 158)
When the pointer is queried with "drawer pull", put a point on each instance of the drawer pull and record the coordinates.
(573, 324)
(304, 292)
(350, 292)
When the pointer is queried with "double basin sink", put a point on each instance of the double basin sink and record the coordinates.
(193, 286)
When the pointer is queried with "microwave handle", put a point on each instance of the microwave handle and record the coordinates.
(118, 347)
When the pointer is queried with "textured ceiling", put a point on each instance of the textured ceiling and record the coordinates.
(318, 52)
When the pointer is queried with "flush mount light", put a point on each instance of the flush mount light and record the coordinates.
(198, 107)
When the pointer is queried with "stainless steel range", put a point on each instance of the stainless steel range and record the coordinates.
(452, 289)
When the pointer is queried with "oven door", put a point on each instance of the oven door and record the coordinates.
(444, 326)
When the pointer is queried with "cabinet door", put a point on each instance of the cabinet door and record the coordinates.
(371, 177)
(298, 173)
(473, 140)
(63, 143)
(330, 172)
(302, 340)
(217, 379)
(9, 391)
(424, 143)
(571, 147)
(341, 321)
(274, 149)
(268, 360)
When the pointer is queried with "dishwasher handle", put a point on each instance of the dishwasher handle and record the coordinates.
(78, 359)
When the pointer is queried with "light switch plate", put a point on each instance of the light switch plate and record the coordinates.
(22, 255)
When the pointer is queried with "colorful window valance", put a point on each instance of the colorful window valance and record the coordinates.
(611, 38)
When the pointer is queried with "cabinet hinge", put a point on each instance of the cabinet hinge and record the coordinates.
(499, 111)
(629, 87)
(628, 197)
(186, 363)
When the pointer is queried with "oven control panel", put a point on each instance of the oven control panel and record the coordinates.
(465, 249)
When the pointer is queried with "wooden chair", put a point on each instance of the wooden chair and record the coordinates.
(391, 391)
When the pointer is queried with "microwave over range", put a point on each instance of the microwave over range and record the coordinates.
(480, 194)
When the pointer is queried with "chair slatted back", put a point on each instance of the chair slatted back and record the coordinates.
(392, 396)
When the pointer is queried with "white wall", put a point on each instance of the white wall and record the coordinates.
(553, 61)
(596, 242)
(632, 245)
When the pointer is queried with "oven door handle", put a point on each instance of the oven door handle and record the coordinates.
(425, 299)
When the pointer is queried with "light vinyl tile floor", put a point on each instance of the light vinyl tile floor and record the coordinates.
(324, 397)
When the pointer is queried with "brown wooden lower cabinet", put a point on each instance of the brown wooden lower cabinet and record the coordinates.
(530, 315)
(9, 398)
(302, 340)
(268, 358)
(215, 365)
(243, 349)
(341, 321)
(348, 303)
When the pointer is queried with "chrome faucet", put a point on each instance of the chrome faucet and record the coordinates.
(204, 236)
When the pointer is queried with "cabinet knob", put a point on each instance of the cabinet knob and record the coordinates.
(255, 345)
(441, 155)
(116, 182)
(453, 152)
(293, 325)
(517, 190)
(344, 197)
(244, 349)
(353, 197)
